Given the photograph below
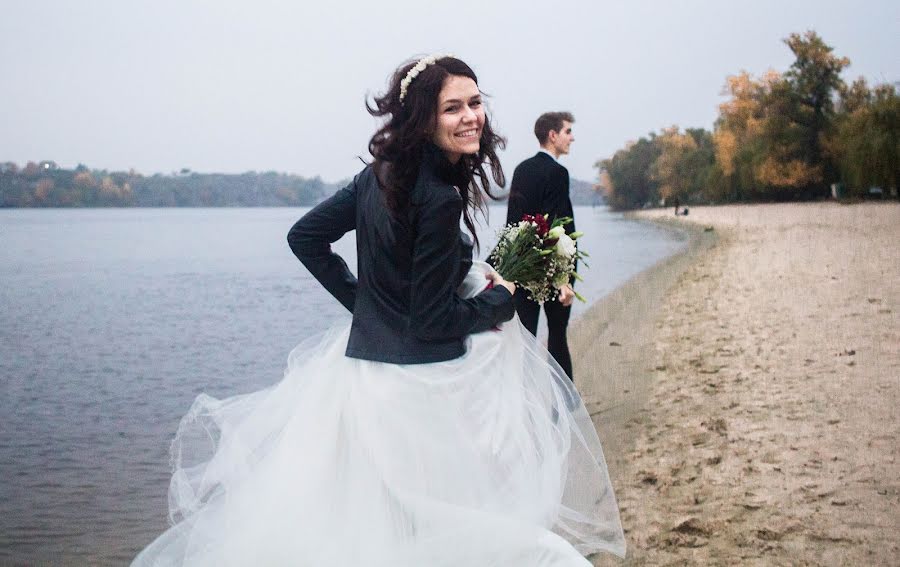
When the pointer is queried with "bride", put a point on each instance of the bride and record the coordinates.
(433, 430)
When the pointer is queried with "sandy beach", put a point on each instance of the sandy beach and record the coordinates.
(747, 389)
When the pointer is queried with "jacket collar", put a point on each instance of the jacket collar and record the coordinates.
(546, 154)
(436, 168)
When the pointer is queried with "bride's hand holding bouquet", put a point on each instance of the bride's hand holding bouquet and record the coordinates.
(497, 280)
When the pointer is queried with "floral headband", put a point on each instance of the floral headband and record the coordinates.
(420, 66)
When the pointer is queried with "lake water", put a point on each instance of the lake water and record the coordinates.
(113, 320)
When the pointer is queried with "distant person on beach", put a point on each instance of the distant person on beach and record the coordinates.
(425, 428)
(540, 185)
(677, 204)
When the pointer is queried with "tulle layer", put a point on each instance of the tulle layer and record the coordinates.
(488, 459)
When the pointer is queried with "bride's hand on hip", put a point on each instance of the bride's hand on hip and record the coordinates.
(498, 280)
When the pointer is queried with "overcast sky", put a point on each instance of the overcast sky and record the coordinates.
(230, 86)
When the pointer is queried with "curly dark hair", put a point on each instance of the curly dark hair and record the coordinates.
(398, 146)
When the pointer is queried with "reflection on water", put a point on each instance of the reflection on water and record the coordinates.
(113, 320)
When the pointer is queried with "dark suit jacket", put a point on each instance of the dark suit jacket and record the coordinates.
(540, 185)
(405, 307)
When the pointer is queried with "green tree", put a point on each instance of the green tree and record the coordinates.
(867, 140)
(631, 185)
(783, 168)
(814, 79)
(854, 96)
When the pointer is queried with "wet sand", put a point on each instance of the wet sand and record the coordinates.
(747, 389)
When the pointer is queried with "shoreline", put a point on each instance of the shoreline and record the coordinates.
(609, 341)
(760, 422)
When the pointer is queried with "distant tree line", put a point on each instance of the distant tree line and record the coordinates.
(44, 184)
(783, 136)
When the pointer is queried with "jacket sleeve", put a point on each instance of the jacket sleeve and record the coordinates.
(311, 237)
(437, 312)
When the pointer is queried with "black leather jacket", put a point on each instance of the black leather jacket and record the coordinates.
(405, 307)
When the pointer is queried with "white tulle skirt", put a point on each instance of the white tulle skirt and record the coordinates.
(488, 459)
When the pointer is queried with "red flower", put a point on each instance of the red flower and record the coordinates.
(543, 227)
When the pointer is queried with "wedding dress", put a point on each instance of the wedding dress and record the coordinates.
(486, 460)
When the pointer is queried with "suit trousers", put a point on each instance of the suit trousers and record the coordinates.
(557, 323)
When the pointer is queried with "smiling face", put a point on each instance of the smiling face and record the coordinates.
(460, 118)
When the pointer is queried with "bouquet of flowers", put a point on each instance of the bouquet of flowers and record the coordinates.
(538, 256)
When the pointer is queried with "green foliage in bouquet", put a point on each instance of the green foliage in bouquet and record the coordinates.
(538, 256)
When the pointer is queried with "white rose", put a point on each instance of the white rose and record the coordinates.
(565, 246)
(557, 232)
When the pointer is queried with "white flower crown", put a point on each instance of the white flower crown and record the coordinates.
(420, 66)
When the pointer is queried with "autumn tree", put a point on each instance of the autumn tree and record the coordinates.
(781, 136)
(42, 190)
(738, 133)
(84, 179)
(683, 168)
(762, 141)
(771, 137)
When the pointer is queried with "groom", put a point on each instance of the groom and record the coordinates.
(540, 185)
